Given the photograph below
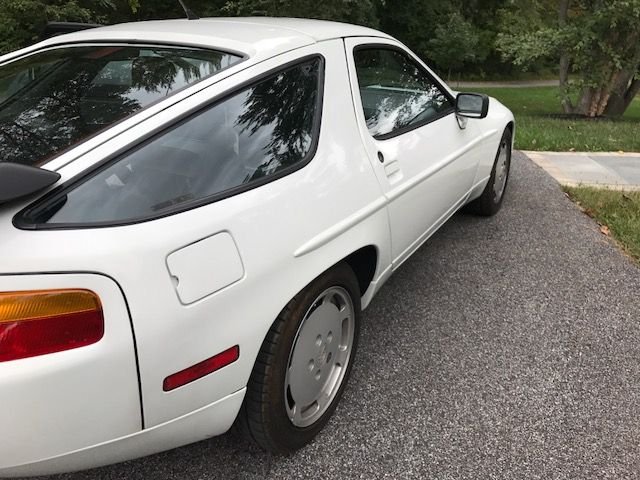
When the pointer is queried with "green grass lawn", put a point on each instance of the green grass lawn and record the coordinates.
(536, 130)
(619, 211)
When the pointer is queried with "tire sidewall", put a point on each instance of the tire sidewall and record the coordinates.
(486, 204)
(506, 138)
(290, 436)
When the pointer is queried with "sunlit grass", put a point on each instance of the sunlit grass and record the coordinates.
(536, 129)
(619, 211)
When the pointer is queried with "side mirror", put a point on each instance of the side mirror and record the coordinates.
(472, 105)
(18, 180)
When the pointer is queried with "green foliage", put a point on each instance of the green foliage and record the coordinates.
(620, 211)
(163, 9)
(529, 48)
(22, 21)
(352, 11)
(605, 38)
(454, 35)
(599, 35)
(539, 128)
(454, 43)
(479, 38)
(414, 22)
(600, 41)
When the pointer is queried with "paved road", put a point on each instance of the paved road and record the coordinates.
(505, 348)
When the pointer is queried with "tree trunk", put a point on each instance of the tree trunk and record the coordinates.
(585, 101)
(621, 98)
(567, 106)
(613, 97)
(608, 100)
(623, 85)
(632, 91)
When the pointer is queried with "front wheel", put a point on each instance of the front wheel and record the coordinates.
(490, 201)
(304, 363)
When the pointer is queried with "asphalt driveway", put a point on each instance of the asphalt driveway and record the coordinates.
(504, 348)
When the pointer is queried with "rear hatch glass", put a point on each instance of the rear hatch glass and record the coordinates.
(54, 99)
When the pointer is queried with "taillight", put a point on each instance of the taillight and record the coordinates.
(45, 321)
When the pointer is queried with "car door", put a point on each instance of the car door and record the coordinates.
(423, 158)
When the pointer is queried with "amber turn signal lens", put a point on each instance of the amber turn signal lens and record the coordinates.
(45, 321)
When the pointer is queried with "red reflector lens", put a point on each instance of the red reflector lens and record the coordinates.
(201, 369)
(40, 322)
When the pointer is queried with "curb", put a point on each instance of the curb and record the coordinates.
(553, 167)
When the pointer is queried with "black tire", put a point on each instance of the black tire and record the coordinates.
(263, 415)
(489, 203)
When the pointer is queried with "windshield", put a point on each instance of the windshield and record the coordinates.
(55, 99)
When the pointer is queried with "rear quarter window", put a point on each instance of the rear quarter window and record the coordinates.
(252, 136)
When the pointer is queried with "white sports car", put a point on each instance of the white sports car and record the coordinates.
(193, 214)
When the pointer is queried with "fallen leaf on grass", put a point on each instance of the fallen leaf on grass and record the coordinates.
(572, 149)
(605, 230)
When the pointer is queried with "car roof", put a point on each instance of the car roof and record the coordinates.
(255, 37)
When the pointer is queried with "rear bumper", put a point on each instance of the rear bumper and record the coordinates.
(81, 408)
(60, 402)
(208, 421)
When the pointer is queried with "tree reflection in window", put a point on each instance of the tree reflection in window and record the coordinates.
(245, 137)
(286, 104)
(54, 99)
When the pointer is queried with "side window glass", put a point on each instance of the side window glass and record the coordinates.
(256, 133)
(13, 83)
(396, 93)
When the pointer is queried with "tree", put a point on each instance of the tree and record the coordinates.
(22, 22)
(360, 12)
(597, 41)
(454, 44)
(454, 35)
(414, 22)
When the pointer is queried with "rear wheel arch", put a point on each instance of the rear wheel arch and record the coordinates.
(265, 416)
(360, 266)
(364, 263)
(511, 127)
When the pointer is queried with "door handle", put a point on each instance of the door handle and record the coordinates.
(392, 169)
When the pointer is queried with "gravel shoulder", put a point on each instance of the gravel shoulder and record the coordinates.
(504, 348)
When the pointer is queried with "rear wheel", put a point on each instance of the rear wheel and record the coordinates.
(304, 363)
(491, 199)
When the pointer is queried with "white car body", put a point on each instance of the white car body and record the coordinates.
(181, 288)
